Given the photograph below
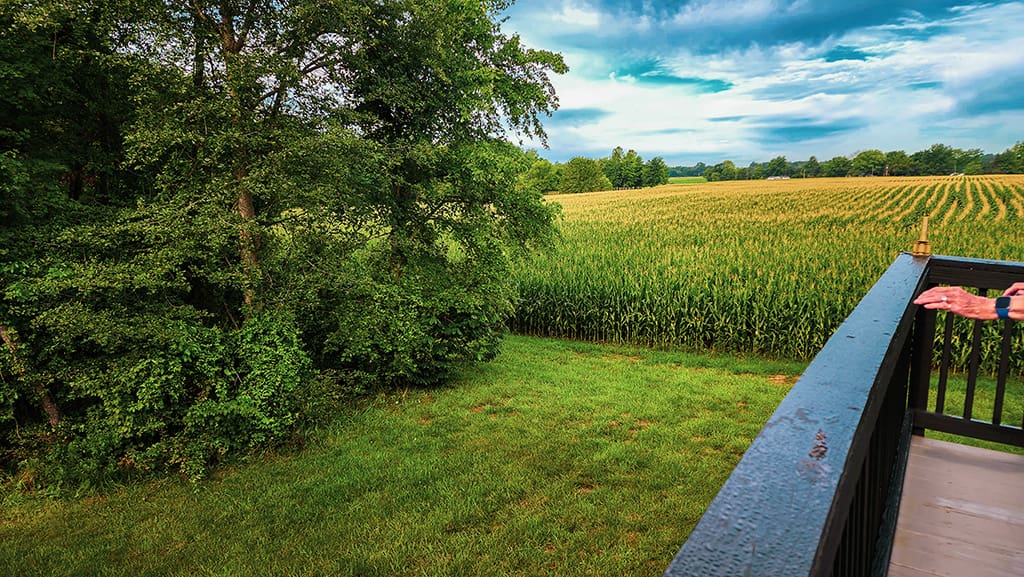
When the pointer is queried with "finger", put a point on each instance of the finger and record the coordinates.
(1016, 288)
(934, 295)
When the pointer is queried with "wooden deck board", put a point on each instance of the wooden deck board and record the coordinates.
(961, 514)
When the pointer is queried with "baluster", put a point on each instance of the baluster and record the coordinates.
(1004, 369)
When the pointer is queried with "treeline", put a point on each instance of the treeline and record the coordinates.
(618, 171)
(219, 218)
(937, 160)
(623, 170)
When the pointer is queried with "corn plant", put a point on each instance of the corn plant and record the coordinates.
(767, 267)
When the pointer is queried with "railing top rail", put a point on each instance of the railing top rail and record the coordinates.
(993, 274)
(775, 510)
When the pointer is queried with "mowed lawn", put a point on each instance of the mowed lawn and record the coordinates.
(557, 458)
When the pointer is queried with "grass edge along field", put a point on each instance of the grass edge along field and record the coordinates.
(768, 267)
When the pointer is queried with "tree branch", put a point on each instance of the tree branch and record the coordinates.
(53, 412)
(247, 22)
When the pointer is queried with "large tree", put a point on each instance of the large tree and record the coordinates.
(314, 183)
(869, 163)
(777, 166)
(935, 160)
(655, 172)
(811, 168)
(543, 174)
(897, 163)
(613, 169)
(1010, 161)
(582, 174)
(837, 166)
(408, 75)
(725, 170)
(632, 170)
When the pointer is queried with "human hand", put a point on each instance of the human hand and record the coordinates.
(1015, 289)
(958, 301)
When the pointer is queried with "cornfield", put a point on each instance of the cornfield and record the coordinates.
(767, 267)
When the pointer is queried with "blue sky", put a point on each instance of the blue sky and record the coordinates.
(749, 80)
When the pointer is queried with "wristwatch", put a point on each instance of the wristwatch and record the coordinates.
(1003, 307)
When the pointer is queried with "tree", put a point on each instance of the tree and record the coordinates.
(968, 161)
(543, 175)
(837, 166)
(777, 166)
(632, 170)
(869, 163)
(1010, 161)
(811, 168)
(695, 170)
(655, 172)
(725, 170)
(613, 169)
(301, 117)
(582, 174)
(938, 159)
(897, 163)
(314, 185)
(64, 101)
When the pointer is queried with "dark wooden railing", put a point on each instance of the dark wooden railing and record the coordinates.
(984, 276)
(818, 490)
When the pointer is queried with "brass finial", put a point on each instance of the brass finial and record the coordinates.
(922, 247)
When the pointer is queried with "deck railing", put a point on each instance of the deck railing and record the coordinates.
(1005, 351)
(818, 490)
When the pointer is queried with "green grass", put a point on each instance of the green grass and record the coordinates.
(556, 459)
(686, 179)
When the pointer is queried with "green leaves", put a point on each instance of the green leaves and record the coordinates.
(209, 202)
(583, 175)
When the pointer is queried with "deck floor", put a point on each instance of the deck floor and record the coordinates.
(961, 514)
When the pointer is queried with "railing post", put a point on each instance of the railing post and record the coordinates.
(922, 345)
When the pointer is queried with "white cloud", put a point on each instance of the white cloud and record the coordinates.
(719, 12)
(581, 15)
(902, 86)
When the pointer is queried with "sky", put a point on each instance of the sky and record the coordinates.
(749, 80)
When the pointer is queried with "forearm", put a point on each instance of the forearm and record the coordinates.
(984, 308)
(958, 301)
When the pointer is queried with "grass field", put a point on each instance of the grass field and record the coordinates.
(770, 267)
(556, 459)
(686, 179)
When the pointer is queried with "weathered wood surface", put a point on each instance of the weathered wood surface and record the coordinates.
(784, 508)
(961, 514)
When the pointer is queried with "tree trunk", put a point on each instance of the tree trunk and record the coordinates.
(232, 43)
(53, 412)
(198, 67)
(249, 241)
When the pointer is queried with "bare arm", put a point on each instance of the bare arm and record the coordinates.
(958, 301)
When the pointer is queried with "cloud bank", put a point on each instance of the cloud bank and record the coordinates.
(748, 80)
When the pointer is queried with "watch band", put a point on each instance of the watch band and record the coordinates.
(1003, 307)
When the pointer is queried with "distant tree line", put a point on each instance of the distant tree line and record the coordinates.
(938, 159)
(621, 170)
